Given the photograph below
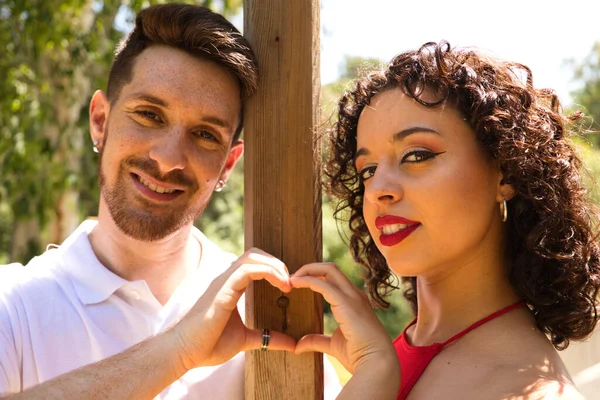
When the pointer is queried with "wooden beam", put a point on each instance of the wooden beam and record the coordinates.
(282, 201)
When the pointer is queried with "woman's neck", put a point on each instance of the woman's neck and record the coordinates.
(451, 301)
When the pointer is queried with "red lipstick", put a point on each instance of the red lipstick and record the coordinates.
(394, 238)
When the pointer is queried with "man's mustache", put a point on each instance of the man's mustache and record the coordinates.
(150, 167)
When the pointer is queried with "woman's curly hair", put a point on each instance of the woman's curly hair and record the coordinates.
(554, 254)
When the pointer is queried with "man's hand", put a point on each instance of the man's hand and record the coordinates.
(213, 331)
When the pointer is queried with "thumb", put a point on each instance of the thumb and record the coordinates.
(314, 342)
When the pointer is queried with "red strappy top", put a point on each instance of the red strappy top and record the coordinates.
(414, 359)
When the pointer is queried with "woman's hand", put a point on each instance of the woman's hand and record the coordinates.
(213, 332)
(360, 343)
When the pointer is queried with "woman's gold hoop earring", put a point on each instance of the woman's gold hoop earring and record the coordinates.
(503, 210)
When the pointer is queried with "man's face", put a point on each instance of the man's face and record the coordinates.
(167, 141)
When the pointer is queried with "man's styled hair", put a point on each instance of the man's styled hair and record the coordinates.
(194, 29)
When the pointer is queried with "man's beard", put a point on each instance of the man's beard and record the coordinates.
(145, 220)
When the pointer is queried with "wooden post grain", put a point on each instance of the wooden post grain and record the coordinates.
(282, 202)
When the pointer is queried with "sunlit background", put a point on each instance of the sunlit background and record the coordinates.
(53, 54)
(543, 35)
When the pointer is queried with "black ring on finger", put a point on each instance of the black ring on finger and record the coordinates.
(266, 338)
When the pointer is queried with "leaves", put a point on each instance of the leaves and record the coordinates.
(587, 96)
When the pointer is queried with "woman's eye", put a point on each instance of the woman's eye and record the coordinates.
(367, 173)
(418, 156)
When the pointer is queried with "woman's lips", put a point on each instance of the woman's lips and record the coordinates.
(394, 229)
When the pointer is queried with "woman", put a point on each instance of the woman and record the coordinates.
(459, 176)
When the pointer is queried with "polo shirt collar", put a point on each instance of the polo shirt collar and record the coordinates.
(93, 282)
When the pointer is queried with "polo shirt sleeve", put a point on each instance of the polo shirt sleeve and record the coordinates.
(10, 379)
(10, 376)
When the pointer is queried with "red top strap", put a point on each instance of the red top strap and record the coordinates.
(483, 321)
(415, 359)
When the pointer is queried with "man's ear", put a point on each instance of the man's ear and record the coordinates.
(99, 110)
(236, 151)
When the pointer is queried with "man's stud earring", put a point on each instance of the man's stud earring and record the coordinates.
(220, 185)
(95, 148)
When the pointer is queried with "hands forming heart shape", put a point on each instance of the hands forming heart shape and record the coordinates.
(213, 331)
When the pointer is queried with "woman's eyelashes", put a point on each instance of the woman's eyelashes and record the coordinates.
(367, 172)
(417, 156)
(412, 157)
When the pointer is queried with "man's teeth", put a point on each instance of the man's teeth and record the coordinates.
(393, 228)
(155, 188)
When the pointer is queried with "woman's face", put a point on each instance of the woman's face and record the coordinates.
(431, 195)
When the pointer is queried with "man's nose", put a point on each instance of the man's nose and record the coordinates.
(169, 150)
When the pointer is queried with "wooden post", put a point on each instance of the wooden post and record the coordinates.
(282, 202)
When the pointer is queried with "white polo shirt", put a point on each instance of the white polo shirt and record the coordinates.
(66, 310)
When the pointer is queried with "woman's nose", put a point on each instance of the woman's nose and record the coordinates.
(383, 187)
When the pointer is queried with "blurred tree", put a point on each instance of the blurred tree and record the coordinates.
(223, 219)
(587, 97)
(53, 53)
(350, 69)
(355, 66)
(590, 156)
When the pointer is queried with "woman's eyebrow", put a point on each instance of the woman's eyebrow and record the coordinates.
(398, 137)
(409, 131)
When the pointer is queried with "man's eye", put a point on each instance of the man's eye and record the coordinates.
(418, 156)
(202, 134)
(149, 115)
(367, 173)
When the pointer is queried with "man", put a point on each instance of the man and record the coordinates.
(114, 312)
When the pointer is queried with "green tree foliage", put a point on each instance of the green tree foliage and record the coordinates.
(53, 54)
(223, 219)
(587, 98)
(351, 68)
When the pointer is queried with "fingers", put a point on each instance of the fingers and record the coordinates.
(277, 341)
(330, 273)
(255, 260)
(314, 342)
(253, 265)
(332, 294)
(260, 256)
(241, 278)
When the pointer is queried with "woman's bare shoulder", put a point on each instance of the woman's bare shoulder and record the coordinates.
(525, 366)
(544, 389)
(537, 376)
